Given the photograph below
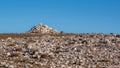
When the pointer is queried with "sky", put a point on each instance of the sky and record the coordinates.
(73, 16)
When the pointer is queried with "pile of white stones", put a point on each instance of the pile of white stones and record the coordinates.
(43, 29)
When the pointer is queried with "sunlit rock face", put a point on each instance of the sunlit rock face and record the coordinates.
(43, 29)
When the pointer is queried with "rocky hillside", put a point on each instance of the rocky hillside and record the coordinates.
(95, 50)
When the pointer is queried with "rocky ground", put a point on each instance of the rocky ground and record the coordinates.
(44, 47)
(95, 50)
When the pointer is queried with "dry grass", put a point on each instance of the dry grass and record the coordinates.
(11, 45)
(17, 35)
(18, 49)
(14, 55)
(24, 35)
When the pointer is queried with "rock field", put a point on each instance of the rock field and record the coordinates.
(94, 50)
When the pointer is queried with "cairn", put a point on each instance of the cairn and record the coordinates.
(43, 29)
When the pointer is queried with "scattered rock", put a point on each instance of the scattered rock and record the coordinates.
(60, 51)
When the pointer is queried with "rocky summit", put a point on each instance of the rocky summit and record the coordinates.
(43, 29)
(62, 50)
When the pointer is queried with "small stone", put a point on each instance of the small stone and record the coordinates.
(8, 54)
(11, 66)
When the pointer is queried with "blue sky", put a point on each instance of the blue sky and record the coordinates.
(64, 15)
